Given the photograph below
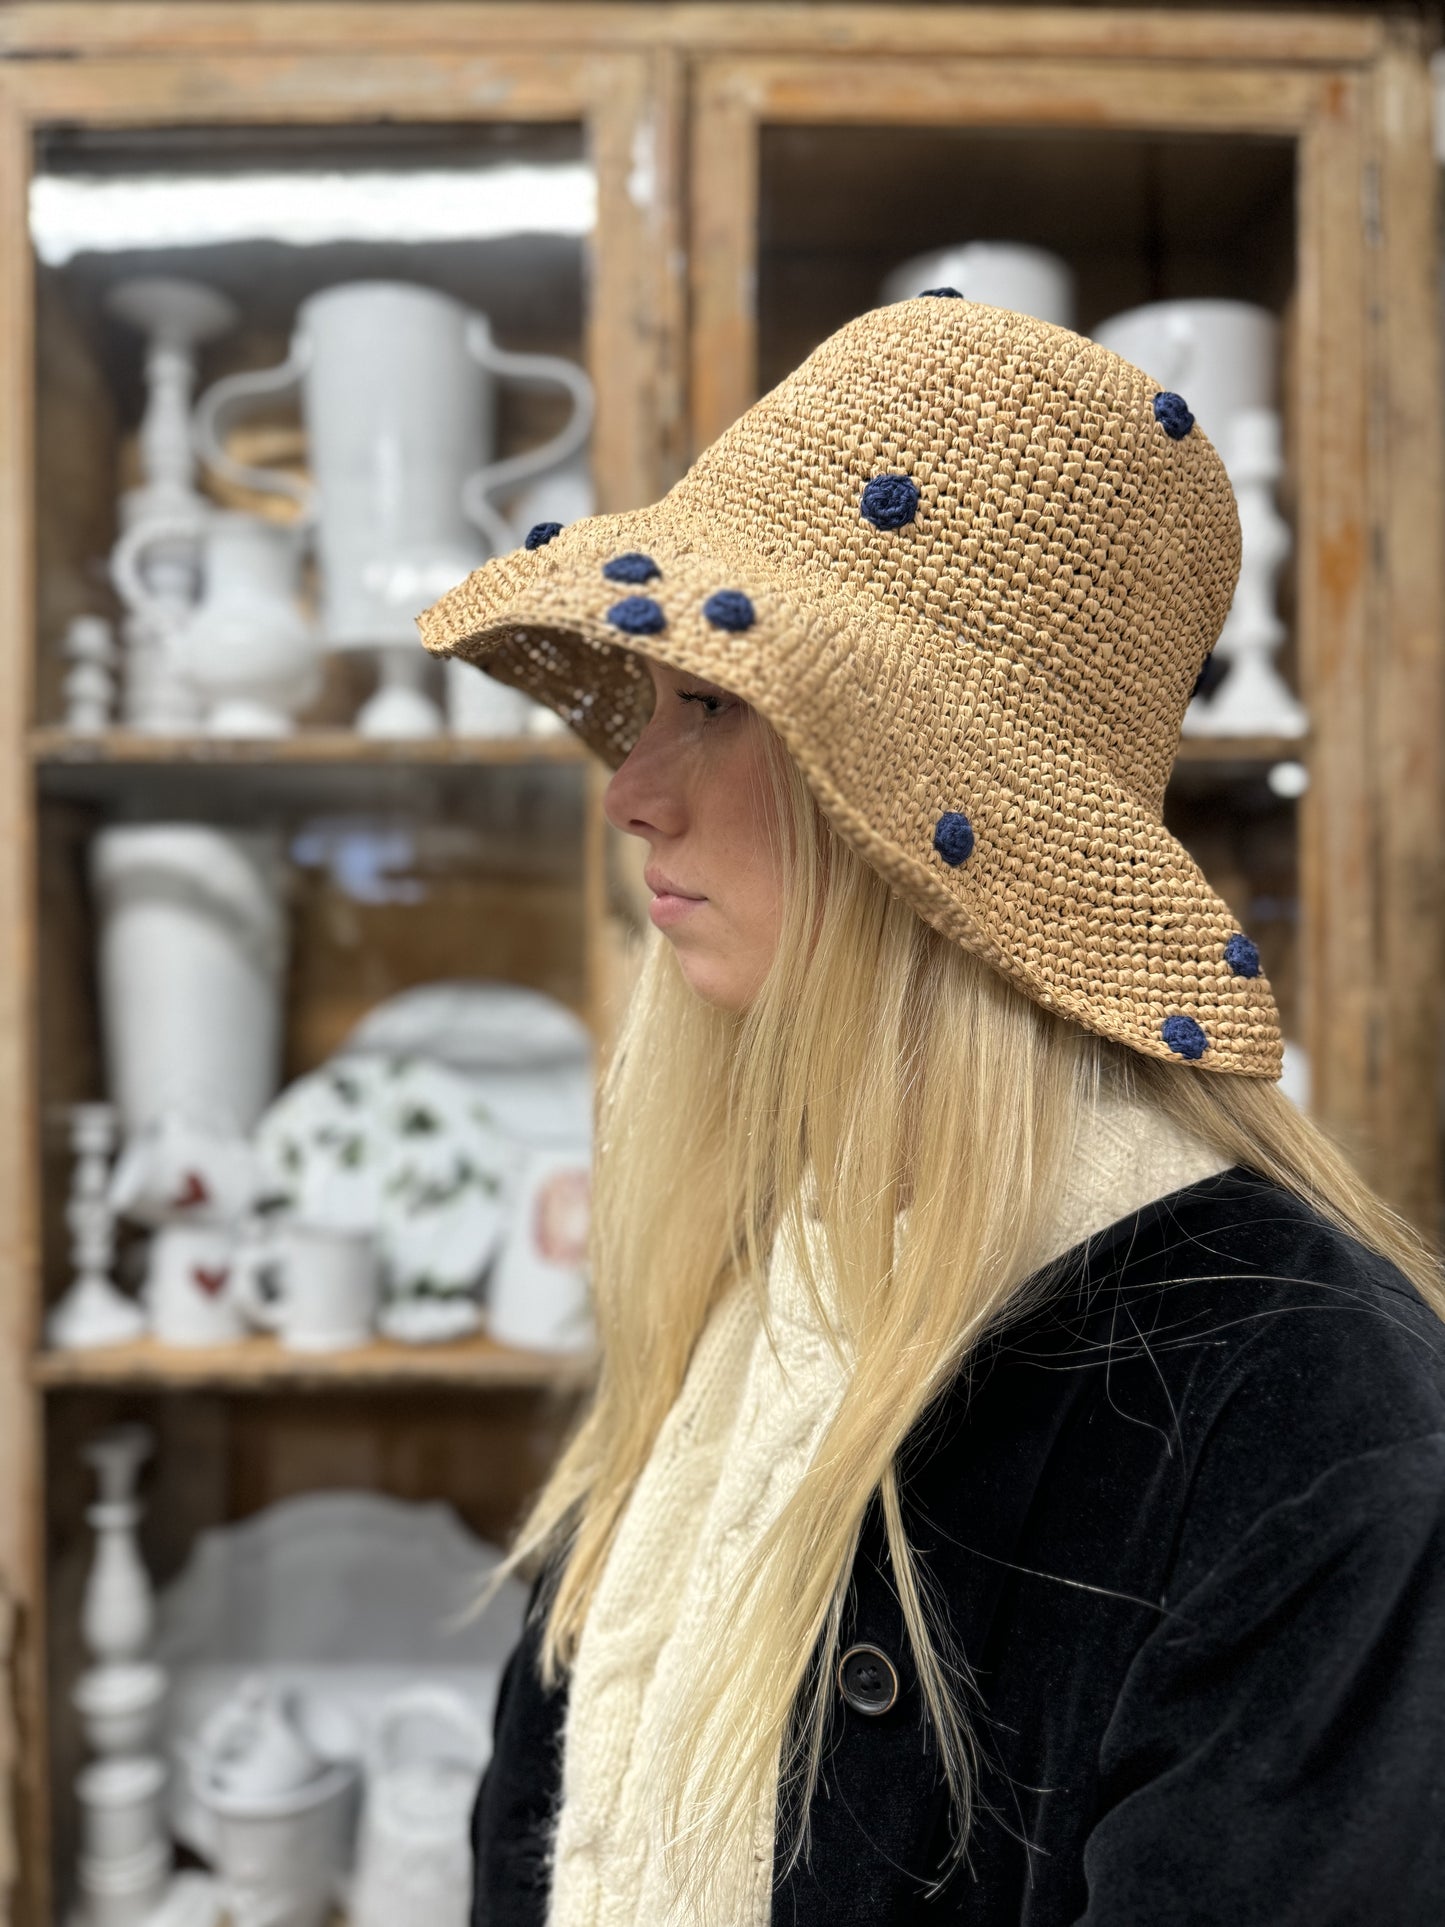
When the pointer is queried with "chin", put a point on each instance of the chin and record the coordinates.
(716, 986)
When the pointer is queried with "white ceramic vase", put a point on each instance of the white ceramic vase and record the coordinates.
(1001, 274)
(1221, 356)
(398, 396)
(193, 941)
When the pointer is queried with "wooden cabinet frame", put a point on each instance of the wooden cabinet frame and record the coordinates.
(673, 97)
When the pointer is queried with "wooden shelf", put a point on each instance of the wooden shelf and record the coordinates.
(50, 747)
(1243, 749)
(261, 1364)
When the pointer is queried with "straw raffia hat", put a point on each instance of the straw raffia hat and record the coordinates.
(968, 565)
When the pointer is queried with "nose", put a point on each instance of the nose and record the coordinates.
(645, 794)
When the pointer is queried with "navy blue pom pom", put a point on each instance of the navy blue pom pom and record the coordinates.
(1171, 411)
(1183, 1035)
(890, 500)
(947, 294)
(953, 837)
(1242, 956)
(540, 534)
(730, 609)
(1202, 677)
(639, 615)
(630, 568)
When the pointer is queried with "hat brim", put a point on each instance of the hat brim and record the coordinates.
(1073, 888)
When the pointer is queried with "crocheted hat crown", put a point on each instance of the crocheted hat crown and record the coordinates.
(968, 565)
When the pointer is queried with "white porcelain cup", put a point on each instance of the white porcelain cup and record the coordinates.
(1001, 274)
(280, 1856)
(120, 1807)
(1221, 356)
(537, 1297)
(190, 1289)
(316, 1286)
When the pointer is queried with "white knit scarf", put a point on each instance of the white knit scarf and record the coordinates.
(734, 1446)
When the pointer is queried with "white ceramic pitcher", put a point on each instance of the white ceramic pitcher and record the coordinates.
(414, 1860)
(398, 396)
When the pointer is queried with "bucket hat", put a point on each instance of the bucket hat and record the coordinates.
(969, 566)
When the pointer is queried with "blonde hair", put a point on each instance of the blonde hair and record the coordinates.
(891, 1069)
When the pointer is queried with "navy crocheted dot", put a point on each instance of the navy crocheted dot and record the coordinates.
(630, 568)
(946, 294)
(639, 615)
(1183, 1035)
(730, 609)
(1242, 956)
(540, 534)
(1172, 414)
(953, 837)
(1202, 677)
(890, 500)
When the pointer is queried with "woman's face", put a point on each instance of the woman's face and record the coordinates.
(694, 788)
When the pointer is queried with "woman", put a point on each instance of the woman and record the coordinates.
(1013, 1487)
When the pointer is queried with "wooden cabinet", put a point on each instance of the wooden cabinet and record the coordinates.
(757, 170)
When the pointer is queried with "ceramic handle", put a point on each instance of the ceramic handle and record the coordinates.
(128, 577)
(533, 461)
(233, 391)
(251, 1258)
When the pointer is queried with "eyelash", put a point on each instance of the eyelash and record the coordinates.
(701, 696)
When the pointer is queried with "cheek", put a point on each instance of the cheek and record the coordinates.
(747, 827)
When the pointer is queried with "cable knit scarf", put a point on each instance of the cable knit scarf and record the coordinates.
(735, 1444)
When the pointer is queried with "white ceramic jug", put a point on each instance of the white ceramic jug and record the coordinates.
(398, 395)
(246, 648)
(414, 1859)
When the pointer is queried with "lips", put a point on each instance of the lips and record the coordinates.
(663, 886)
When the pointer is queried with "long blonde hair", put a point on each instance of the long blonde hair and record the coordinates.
(890, 1069)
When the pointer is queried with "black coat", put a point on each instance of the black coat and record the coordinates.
(1188, 1521)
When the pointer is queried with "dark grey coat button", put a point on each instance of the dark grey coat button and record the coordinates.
(867, 1679)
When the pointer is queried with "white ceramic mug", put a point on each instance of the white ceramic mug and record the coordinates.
(316, 1286)
(191, 1290)
(1221, 356)
(175, 1168)
(537, 1297)
(397, 387)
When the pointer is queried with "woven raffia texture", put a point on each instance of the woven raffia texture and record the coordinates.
(986, 696)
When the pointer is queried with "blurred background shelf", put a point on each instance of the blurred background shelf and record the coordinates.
(59, 747)
(262, 1364)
